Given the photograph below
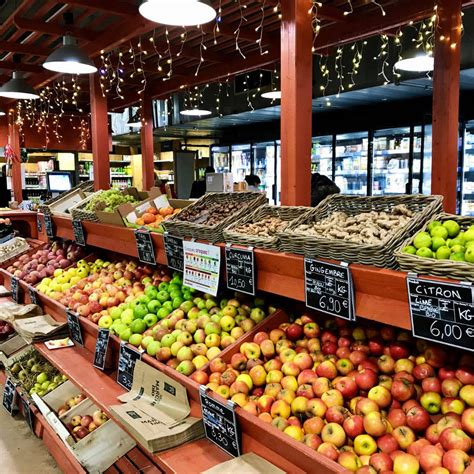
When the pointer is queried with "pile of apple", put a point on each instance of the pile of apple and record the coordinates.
(45, 261)
(70, 403)
(366, 397)
(81, 425)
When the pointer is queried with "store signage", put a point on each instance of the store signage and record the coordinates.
(126, 365)
(442, 312)
(145, 248)
(39, 223)
(329, 288)
(174, 252)
(220, 423)
(74, 327)
(28, 414)
(9, 396)
(240, 268)
(33, 295)
(101, 347)
(48, 223)
(78, 230)
(202, 266)
(15, 289)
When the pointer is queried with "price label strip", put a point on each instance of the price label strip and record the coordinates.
(174, 252)
(329, 288)
(15, 289)
(442, 312)
(48, 223)
(33, 295)
(28, 414)
(39, 223)
(9, 396)
(220, 423)
(126, 365)
(145, 248)
(101, 347)
(78, 231)
(240, 268)
(74, 327)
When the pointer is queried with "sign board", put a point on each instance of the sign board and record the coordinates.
(240, 268)
(101, 347)
(15, 289)
(128, 357)
(78, 230)
(145, 248)
(39, 223)
(48, 224)
(9, 396)
(33, 295)
(329, 288)
(74, 327)
(202, 266)
(220, 423)
(174, 252)
(442, 312)
(28, 414)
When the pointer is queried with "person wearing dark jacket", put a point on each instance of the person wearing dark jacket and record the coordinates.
(321, 188)
(198, 188)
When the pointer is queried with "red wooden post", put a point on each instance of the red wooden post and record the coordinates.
(446, 102)
(296, 102)
(148, 166)
(100, 135)
(14, 135)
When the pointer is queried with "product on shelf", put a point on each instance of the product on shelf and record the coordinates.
(6, 330)
(358, 395)
(81, 425)
(108, 201)
(12, 248)
(153, 217)
(267, 227)
(70, 403)
(211, 213)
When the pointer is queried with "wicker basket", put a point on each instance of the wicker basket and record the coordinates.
(429, 266)
(285, 213)
(86, 187)
(181, 228)
(380, 255)
(78, 212)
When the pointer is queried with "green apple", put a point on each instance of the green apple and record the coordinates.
(257, 315)
(439, 231)
(115, 312)
(168, 340)
(152, 348)
(433, 224)
(151, 291)
(424, 252)
(168, 305)
(227, 323)
(163, 286)
(410, 249)
(437, 242)
(469, 255)
(163, 312)
(422, 239)
(443, 253)
(469, 235)
(153, 306)
(146, 341)
(431, 402)
(138, 326)
(144, 299)
(105, 322)
(135, 340)
(140, 310)
(457, 257)
(127, 316)
(210, 303)
(125, 334)
(177, 302)
(175, 294)
(42, 377)
(150, 319)
(186, 367)
(452, 227)
(163, 296)
(186, 306)
(458, 248)
(212, 328)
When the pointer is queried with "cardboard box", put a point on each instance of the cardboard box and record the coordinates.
(10, 348)
(219, 183)
(60, 207)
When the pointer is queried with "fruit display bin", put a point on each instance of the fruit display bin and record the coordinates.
(463, 271)
(379, 255)
(33, 247)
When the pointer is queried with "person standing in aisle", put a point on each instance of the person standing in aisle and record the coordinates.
(253, 182)
(198, 188)
(321, 188)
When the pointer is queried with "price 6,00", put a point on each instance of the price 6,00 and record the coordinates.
(448, 330)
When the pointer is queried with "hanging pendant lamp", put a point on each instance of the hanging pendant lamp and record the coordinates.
(420, 63)
(178, 12)
(18, 88)
(195, 112)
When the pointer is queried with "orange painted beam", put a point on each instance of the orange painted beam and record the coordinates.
(296, 102)
(148, 167)
(100, 135)
(14, 138)
(446, 102)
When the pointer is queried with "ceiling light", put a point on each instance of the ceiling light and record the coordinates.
(178, 12)
(18, 88)
(195, 112)
(2, 113)
(134, 124)
(274, 95)
(423, 63)
(70, 59)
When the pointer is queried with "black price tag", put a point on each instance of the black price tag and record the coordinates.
(28, 414)
(240, 267)
(33, 295)
(329, 288)
(220, 423)
(15, 289)
(39, 223)
(126, 364)
(101, 346)
(78, 230)
(48, 223)
(9, 396)
(174, 252)
(74, 327)
(146, 250)
(442, 312)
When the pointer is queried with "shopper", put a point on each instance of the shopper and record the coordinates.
(5, 195)
(321, 188)
(198, 188)
(253, 182)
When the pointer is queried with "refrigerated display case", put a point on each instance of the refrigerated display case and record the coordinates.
(467, 175)
(278, 173)
(351, 163)
(264, 168)
(322, 156)
(220, 158)
(241, 162)
(420, 176)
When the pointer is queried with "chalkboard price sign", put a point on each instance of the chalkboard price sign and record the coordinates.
(146, 251)
(442, 312)
(28, 414)
(15, 289)
(74, 327)
(78, 230)
(126, 365)
(9, 396)
(33, 295)
(220, 423)
(39, 223)
(240, 267)
(48, 223)
(101, 346)
(174, 252)
(329, 288)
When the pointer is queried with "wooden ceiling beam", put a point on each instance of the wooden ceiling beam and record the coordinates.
(24, 67)
(116, 7)
(325, 12)
(13, 47)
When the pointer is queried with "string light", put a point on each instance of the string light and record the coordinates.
(237, 31)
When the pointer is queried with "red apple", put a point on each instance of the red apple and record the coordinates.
(431, 384)
(432, 433)
(456, 461)
(402, 390)
(422, 371)
(454, 438)
(399, 350)
(435, 356)
(397, 417)
(294, 332)
(387, 443)
(415, 448)
(86, 421)
(337, 414)
(353, 425)
(467, 421)
(366, 379)
(381, 462)
(418, 418)
(431, 457)
(450, 387)
(347, 386)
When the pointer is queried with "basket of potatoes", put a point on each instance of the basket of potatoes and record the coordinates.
(356, 229)
(261, 227)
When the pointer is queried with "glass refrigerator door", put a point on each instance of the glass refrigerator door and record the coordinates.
(221, 158)
(352, 163)
(241, 162)
(418, 151)
(321, 156)
(427, 144)
(264, 167)
(391, 162)
(467, 206)
(278, 173)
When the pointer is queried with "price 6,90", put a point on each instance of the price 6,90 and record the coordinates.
(330, 304)
(448, 330)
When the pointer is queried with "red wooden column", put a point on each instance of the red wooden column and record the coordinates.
(148, 167)
(14, 138)
(296, 102)
(100, 135)
(446, 102)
